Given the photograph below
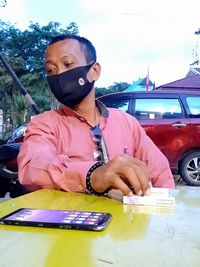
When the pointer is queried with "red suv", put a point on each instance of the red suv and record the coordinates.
(172, 120)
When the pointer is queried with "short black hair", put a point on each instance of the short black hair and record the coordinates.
(87, 47)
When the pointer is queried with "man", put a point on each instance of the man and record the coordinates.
(84, 147)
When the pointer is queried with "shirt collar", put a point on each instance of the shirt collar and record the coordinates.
(69, 112)
(102, 108)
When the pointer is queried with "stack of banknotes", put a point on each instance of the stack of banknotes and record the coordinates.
(158, 197)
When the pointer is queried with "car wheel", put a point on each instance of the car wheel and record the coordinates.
(190, 169)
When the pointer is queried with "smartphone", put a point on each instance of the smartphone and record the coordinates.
(63, 219)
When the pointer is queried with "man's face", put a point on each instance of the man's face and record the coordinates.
(63, 55)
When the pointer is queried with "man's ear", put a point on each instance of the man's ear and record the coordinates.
(94, 72)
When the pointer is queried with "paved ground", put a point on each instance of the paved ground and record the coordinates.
(181, 184)
(5, 198)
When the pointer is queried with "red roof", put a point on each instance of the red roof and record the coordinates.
(189, 82)
(197, 69)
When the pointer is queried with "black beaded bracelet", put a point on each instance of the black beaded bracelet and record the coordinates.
(88, 185)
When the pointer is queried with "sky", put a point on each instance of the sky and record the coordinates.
(130, 36)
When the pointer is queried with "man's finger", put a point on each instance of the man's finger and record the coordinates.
(119, 184)
(135, 176)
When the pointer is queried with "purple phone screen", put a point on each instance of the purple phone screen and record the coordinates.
(58, 216)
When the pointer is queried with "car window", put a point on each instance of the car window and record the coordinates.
(157, 108)
(194, 106)
(121, 104)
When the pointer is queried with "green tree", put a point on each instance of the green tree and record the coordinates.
(24, 51)
(115, 88)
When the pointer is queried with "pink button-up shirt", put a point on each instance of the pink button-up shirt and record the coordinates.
(58, 149)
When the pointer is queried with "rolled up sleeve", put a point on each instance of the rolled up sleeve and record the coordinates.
(40, 165)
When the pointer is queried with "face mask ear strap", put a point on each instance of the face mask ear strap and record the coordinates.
(90, 65)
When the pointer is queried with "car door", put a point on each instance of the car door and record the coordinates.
(164, 120)
(192, 106)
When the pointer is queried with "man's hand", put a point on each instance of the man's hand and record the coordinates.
(121, 173)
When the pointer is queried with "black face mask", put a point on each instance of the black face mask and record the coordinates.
(72, 86)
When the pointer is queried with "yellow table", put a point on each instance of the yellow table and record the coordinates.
(137, 236)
